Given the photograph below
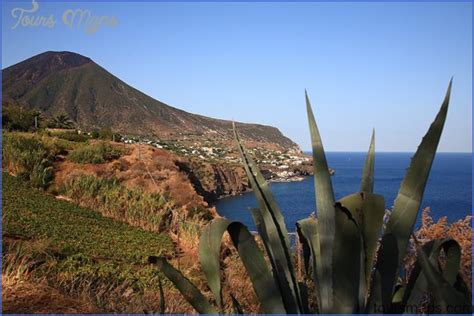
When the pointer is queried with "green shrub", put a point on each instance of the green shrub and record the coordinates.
(29, 158)
(106, 134)
(95, 153)
(18, 118)
(72, 136)
(95, 134)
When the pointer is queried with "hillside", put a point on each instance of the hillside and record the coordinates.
(68, 83)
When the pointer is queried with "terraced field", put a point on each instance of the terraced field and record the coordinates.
(57, 244)
(31, 214)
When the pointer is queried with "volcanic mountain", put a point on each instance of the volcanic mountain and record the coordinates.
(68, 83)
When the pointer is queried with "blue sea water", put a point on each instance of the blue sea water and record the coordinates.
(448, 191)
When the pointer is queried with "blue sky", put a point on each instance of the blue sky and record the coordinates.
(365, 65)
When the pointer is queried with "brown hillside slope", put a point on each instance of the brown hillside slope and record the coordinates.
(71, 84)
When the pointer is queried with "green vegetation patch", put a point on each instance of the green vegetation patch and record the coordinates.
(29, 158)
(18, 118)
(72, 136)
(96, 153)
(109, 197)
(72, 229)
(77, 250)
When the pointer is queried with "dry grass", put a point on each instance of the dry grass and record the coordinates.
(24, 292)
(35, 280)
(150, 169)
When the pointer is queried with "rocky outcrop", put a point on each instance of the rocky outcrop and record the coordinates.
(215, 180)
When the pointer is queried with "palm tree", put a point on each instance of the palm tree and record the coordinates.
(62, 121)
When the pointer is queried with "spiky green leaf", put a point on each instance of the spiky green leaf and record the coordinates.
(346, 262)
(446, 297)
(407, 203)
(368, 209)
(263, 282)
(367, 183)
(417, 284)
(184, 286)
(307, 230)
(278, 248)
(325, 207)
(162, 297)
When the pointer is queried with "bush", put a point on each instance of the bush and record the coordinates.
(72, 136)
(29, 158)
(18, 118)
(95, 153)
(106, 134)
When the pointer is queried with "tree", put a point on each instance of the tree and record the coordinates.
(61, 121)
(17, 118)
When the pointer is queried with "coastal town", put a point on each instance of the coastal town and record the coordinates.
(277, 165)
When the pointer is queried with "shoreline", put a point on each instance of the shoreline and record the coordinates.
(279, 180)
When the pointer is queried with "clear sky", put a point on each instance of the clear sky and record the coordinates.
(365, 65)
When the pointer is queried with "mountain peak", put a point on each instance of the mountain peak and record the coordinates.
(72, 84)
(36, 68)
(65, 58)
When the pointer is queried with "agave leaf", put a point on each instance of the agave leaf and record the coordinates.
(407, 203)
(397, 298)
(262, 280)
(307, 230)
(385, 273)
(304, 297)
(368, 209)
(325, 206)
(236, 305)
(346, 262)
(417, 284)
(162, 297)
(262, 231)
(398, 295)
(449, 299)
(262, 191)
(374, 301)
(259, 223)
(187, 289)
(453, 259)
(276, 234)
(367, 183)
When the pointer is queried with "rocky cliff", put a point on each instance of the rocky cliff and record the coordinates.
(215, 180)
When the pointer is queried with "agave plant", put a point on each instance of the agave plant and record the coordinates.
(355, 266)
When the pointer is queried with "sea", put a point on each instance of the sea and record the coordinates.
(448, 191)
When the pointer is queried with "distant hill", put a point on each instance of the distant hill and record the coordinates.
(69, 83)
